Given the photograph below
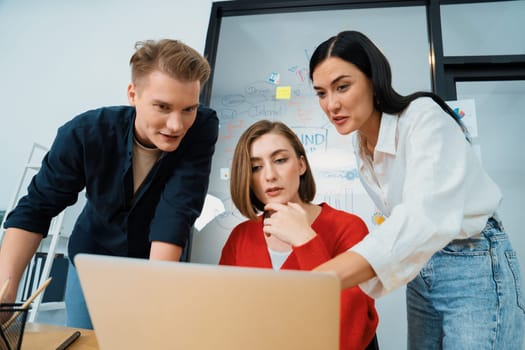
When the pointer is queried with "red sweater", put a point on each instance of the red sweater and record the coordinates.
(337, 231)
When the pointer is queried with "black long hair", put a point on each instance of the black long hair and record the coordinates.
(358, 49)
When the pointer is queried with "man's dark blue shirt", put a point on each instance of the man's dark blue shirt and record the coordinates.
(94, 151)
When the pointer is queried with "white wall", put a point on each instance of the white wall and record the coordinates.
(59, 58)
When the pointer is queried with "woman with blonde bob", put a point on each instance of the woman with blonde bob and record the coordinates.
(271, 175)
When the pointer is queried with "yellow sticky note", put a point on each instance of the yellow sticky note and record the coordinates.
(283, 92)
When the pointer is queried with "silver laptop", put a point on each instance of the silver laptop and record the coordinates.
(142, 304)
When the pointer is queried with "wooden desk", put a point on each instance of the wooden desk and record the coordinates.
(39, 336)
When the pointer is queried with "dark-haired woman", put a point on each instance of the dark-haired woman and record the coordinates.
(442, 236)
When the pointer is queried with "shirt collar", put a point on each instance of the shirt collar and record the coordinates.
(131, 136)
(386, 140)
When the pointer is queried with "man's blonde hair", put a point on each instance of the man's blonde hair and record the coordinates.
(171, 57)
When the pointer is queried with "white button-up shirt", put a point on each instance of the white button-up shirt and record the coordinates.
(427, 180)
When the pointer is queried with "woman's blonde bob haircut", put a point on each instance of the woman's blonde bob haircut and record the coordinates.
(241, 170)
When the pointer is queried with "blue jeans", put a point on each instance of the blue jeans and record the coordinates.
(468, 296)
(77, 314)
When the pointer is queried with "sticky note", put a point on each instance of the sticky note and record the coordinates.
(212, 208)
(283, 92)
(274, 78)
(225, 173)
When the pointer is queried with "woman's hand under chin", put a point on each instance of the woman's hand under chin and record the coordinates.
(288, 222)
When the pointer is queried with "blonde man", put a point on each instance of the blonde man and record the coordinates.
(145, 169)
